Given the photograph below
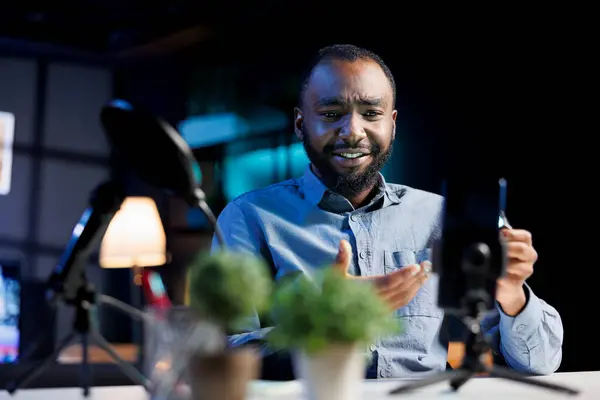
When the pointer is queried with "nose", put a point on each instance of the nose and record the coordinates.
(351, 129)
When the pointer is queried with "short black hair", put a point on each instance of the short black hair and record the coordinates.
(344, 52)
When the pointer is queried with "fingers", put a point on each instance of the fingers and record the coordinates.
(344, 257)
(398, 299)
(517, 235)
(427, 268)
(521, 255)
(404, 278)
(400, 277)
(521, 251)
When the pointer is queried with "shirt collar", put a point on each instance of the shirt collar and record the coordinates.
(314, 189)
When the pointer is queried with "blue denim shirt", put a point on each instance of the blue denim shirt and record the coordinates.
(296, 225)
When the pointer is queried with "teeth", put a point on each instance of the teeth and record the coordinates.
(351, 155)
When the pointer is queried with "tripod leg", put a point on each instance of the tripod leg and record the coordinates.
(432, 380)
(12, 387)
(40, 340)
(457, 382)
(85, 366)
(505, 373)
(124, 308)
(127, 368)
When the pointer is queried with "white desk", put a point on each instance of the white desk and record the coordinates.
(477, 388)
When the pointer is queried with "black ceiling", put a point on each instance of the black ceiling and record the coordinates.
(101, 25)
(112, 26)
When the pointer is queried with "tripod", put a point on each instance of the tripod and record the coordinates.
(476, 347)
(85, 330)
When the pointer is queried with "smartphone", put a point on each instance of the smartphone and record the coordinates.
(470, 256)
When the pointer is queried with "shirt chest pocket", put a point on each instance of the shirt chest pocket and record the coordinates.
(424, 304)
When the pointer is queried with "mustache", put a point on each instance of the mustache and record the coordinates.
(330, 148)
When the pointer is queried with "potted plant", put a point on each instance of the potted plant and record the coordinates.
(224, 289)
(327, 322)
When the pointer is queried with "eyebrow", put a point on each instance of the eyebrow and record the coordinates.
(338, 101)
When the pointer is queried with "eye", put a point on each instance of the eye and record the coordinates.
(330, 115)
(372, 114)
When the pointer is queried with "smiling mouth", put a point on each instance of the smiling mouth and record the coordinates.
(350, 155)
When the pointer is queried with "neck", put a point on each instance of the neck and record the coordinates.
(357, 200)
(362, 198)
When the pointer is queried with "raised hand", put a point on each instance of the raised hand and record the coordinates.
(397, 288)
(510, 293)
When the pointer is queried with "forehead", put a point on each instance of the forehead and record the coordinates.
(348, 80)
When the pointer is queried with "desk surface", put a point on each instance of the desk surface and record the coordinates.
(489, 388)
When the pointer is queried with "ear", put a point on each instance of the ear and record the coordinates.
(394, 115)
(298, 121)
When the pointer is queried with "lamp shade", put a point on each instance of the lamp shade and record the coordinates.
(135, 237)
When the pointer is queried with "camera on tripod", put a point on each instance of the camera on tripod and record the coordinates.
(469, 258)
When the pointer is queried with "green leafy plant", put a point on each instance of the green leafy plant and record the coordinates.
(331, 309)
(227, 287)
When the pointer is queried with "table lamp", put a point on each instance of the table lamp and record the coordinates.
(135, 238)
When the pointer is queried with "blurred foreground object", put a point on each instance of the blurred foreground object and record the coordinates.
(328, 321)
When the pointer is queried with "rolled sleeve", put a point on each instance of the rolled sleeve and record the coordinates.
(524, 325)
(532, 340)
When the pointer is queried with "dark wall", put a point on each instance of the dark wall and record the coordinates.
(159, 86)
(60, 156)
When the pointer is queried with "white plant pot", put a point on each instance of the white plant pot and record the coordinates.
(335, 373)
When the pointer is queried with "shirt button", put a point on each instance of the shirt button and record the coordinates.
(382, 374)
(520, 328)
(353, 217)
(362, 254)
(372, 347)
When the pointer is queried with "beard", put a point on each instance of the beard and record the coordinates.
(352, 183)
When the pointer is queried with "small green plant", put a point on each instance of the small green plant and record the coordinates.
(227, 287)
(332, 309)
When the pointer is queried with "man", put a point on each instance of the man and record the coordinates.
(342, 209)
